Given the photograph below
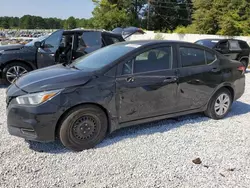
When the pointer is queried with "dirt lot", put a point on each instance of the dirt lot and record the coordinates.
(154, 155)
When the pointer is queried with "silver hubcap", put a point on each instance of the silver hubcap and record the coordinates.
(15, 72)
(222, 104)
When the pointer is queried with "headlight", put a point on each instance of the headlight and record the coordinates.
(1, 52)
(36, 98)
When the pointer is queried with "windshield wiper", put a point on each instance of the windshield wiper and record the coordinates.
(65, 64)
(74, 67)
(68, 65)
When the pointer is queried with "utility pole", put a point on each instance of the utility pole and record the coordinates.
(148, 19)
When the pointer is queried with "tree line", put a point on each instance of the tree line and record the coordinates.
(37, 22)
(225, 17)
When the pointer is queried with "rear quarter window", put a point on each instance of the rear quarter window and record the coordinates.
(243, 45)
(234, 45)
(210, 57)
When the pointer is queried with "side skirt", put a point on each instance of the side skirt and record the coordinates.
(157, 118)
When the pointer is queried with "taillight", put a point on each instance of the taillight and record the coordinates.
(242, 69)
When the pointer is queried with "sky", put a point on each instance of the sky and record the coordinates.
(47, 8)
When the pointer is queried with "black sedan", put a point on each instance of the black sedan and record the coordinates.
(121, 85)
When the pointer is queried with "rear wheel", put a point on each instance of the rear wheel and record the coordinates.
(220, 104)
(14, 70)
(83, 128)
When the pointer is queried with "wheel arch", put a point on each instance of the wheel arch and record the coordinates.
(61, 118)
(19, 61)
(228, 86)
(230, 89)
(244, 57)
(210, 110)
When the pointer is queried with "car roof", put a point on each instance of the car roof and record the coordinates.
(146, 43)
(81, 31)
(152, 42)
(220, 39)
(212, 39)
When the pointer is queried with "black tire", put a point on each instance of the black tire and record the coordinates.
(211, 112)
(244, 62)
(11, 65)
(83, 127)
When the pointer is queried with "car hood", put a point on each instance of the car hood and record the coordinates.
(11, 47)
(53, 77)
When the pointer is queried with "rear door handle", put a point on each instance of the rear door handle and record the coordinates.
(130, 79)
(170, 80)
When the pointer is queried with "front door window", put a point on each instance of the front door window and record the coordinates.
(52, 43)
(151, 60)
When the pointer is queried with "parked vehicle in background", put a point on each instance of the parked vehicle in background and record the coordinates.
(59, 47)
(122, 85)
(234, 49)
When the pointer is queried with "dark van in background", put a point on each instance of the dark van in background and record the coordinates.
(62, 46)
(234, 49)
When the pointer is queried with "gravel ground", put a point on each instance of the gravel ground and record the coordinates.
(154, 155)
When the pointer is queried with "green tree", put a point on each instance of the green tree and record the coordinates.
(70, 23)
(5, 23)
(13, 22)
(26, 22)
(38, 22)
(132, 6)
(167, 15)
(225, 17)
(109, 16)
(31, 22)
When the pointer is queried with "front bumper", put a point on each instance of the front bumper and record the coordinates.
(33, 123)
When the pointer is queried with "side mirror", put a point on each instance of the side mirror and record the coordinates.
(38, 44)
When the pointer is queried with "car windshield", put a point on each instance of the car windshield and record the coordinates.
(208, 43)
(40, 39)
(104, 56)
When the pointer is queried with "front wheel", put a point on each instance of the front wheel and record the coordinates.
(83, 128)
(13, 71)
(220, 104)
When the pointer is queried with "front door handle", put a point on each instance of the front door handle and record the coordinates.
(215, 69)
(130, 79)
(170, 80)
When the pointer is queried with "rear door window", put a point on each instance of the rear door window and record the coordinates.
(223, 45)
(195, 57)
(192, 56)
(92, 39)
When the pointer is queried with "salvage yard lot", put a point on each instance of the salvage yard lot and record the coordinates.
(153, 155)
